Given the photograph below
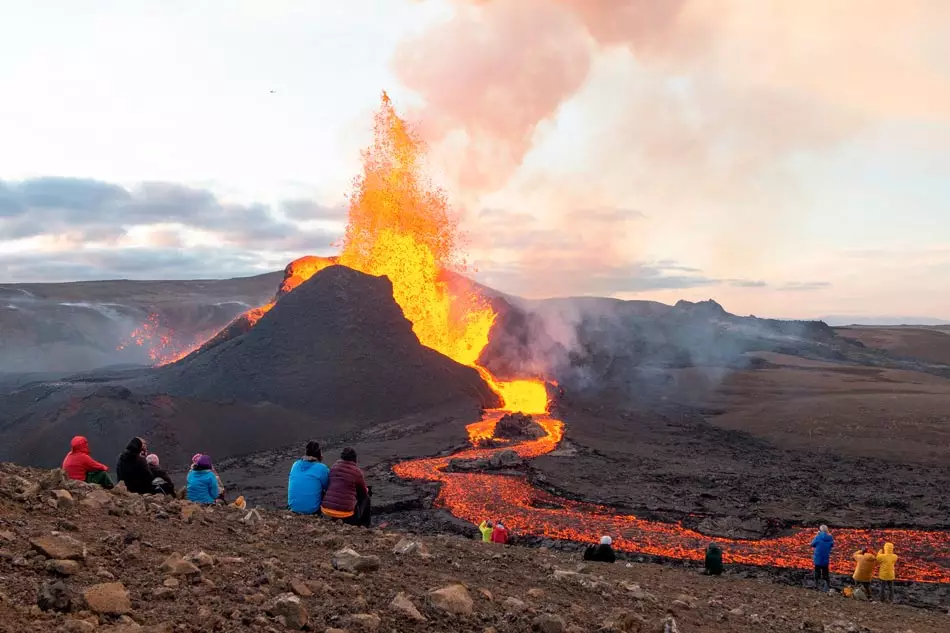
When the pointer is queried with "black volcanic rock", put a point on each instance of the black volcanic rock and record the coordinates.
(338, 345)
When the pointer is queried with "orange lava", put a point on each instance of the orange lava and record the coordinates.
(300, 270)
(162, 343)
(925, 556)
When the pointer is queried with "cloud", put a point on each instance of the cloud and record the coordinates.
(804, 286)
(89, 229)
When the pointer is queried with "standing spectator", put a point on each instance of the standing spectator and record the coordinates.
(713, 562)
(499, 534)
(886, 560)
(80, 466)
(133, 469)
(822, 544)
(864, 570)
(308, 481)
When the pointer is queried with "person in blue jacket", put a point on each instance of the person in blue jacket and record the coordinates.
(822, 544)
(309, 478)
(202, 482)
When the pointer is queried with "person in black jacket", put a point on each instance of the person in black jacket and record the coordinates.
(713, 563)
(133, 469)
(603, 553)
(161, 482)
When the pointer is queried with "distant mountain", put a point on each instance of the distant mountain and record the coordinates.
(837, 320)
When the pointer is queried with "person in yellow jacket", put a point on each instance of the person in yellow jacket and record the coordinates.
(864, 570)
(886, 559)
(486, 529)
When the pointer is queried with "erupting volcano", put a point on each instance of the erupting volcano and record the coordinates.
(400, 226)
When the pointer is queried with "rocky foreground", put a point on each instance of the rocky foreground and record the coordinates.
(79, 559)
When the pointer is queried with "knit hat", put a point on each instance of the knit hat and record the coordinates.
(152, 459)
(204, 460)
(606, 540)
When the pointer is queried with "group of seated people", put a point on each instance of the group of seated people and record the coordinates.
(338, 492)
(141, 472)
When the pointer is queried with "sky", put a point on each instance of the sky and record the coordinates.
(787, 159)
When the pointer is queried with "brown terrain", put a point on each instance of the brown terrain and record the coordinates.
(74, 558)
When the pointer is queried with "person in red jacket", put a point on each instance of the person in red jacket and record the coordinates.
(499, 534)
(347, 495)
(80, 465)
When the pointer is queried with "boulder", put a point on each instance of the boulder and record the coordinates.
(548, 623)
(59, 547)
(350, 560)
(78, 626)
(178, 566)
(201, 559)
(7, 536)
(62, 499)
(406, 547)
(300, 588)
(290, 609)
(363, 621)
(97, 499)
(110, 598)
(54, 479)
(452, 599)
(63, 567)
(403, 605)
(514, 605)
(54, 596)
(518, 426)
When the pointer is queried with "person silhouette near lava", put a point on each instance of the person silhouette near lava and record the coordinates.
(601, 553)
(822, 544)
(886, 560)
(347, 495)
(80, 466)
(499, 534)
(864, 560)
(713, 561)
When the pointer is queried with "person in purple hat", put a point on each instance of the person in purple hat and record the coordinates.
(202, 482)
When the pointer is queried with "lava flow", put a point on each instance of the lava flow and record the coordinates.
(476, 497)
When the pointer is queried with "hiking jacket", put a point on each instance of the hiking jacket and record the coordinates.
(133, 469)
(161, 482)
(308, 480)
(822, 544)
(346, 479)
(713, 561)
(202, 486)
(886, 559)
(864, 568)
(600, 553)
(499, 535)
(78, 462)
(486, 531)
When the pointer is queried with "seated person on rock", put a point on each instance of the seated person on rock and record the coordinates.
(161, 482)
(133, 469)
(486, 528)
(308, 481)
(80, 466)
(601, 553)
(194, 460)
(202, 483)
(347, 496)
(499, 534)
(713, 563)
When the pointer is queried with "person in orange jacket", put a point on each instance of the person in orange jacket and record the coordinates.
(80, 466)
(864, 570)
(499, 534)
(886, 560)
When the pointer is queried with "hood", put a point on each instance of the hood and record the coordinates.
(134, 446)
(306, 463)
(79, 444)
(824, 536)
(888, 548)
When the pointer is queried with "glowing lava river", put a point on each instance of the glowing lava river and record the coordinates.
(925, 556)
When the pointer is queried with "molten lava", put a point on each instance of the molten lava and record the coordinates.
(161, 341)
